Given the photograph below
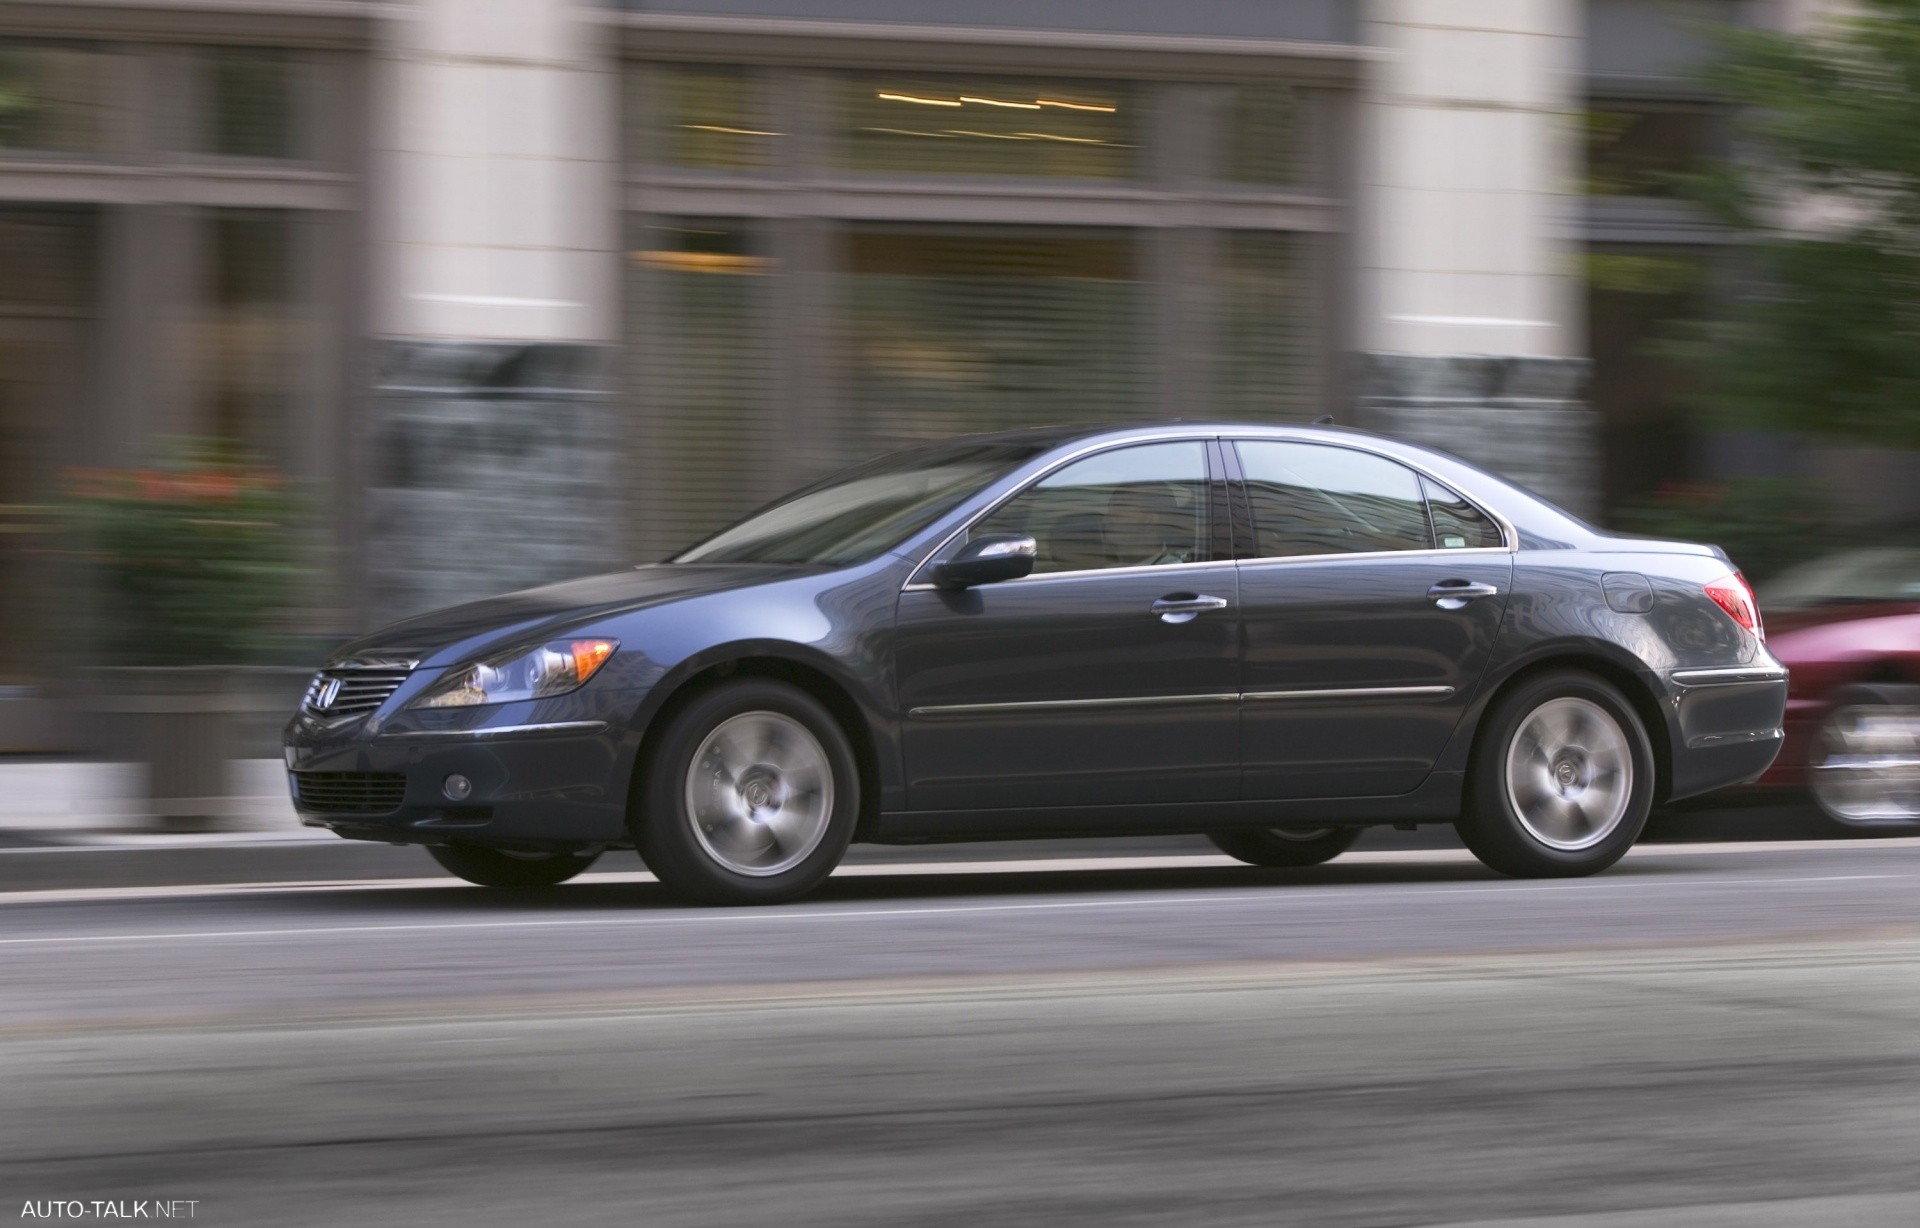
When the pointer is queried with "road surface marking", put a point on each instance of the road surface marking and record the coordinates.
(792, 914)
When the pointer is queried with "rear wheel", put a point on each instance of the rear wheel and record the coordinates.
(1562, 779)
(1286, 846)
(751, 795)
(1864, 764)
(487, 867)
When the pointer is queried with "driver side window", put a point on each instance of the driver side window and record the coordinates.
(1139, 506)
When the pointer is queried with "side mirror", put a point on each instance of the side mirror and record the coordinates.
(988, 559)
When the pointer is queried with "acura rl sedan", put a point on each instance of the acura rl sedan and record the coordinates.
(1275, 636)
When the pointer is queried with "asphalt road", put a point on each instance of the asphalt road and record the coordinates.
(1707, 1035)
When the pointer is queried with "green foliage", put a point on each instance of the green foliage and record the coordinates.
(197, 557)
(1824, 336)
(1764, 524)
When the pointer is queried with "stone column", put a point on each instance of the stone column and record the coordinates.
(490, 450)
(1469, 290)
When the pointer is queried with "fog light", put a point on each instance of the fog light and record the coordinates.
(457, 787)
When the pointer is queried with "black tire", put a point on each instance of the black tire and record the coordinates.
(1551, 844)
(1883, 795)
(1280, 846)
(700, 863)
(487, 867)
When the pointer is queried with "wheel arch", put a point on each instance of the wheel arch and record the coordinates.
(1633, 683)
(781, 663)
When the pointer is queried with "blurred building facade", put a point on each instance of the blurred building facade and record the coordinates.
(520, 288)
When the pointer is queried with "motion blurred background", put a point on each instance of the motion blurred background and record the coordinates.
(315, 313)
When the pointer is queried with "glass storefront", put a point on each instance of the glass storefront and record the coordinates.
(47, 276)
(710, 359)
(950, 331)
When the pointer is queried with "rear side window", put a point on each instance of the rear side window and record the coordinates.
(1315, 499)
(1457, 524)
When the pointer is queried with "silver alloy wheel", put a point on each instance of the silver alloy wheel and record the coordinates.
(760, 793)
(1866, 764)
(1303, 835)
(1569, 773)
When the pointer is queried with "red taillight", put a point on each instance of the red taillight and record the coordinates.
(1733, 594)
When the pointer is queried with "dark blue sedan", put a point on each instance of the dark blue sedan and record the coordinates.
(1275, 636)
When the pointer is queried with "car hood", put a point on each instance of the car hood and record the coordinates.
(1896, 635)
(478, 624)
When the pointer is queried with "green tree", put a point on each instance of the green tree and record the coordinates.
(1823, 332)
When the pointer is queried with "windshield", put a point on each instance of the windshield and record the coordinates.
(866, 510)
(1889, 573)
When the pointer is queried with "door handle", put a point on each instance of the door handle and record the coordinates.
(1185, 607)
(1453, 594)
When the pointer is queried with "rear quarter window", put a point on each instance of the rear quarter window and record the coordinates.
(1457, 524)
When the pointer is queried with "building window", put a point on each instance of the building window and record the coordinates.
(1640, 149)
(250, 107)
(708, 117)
(55, 97)
(897, 123)
(1259, 136)
(954, 330)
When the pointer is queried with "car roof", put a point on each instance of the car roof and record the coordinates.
(1518, 505)
(1064, 433)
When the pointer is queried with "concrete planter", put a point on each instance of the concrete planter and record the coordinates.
(182, 725)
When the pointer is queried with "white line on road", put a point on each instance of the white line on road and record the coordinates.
(793, 914)
(903, 869)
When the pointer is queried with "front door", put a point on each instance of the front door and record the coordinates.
(1109, 676)
(1370, 607)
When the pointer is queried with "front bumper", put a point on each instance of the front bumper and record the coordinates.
(534, 784)
(1727, 725)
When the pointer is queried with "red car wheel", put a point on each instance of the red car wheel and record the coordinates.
(1864, 761)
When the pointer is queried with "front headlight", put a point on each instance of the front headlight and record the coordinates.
(551, 669)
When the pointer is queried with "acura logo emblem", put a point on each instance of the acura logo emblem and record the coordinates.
(328, 692)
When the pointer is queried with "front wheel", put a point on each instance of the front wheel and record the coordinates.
(487, 867)
(1864, 765)
(750, 797)
(1285, 846)
(1561, 781)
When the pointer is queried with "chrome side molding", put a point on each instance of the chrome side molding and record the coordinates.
(1358, 692)
(501, 731)
(1728, 675)
(1142, 701)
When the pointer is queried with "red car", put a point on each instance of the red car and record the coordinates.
(1848, 628)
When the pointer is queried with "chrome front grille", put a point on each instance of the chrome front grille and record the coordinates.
(352, 690)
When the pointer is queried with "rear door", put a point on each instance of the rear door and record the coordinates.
(1370, 597)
